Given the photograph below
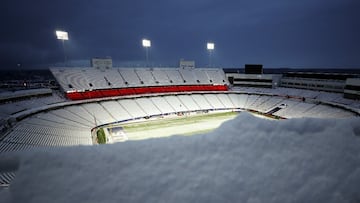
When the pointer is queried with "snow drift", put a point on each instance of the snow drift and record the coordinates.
(247, 159)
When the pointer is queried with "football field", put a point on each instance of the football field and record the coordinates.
(181, 125)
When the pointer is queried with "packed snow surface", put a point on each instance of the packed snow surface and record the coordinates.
(247, 159)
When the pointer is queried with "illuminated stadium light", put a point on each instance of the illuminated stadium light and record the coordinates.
(210, 46)
(146, 43)
(62, 35)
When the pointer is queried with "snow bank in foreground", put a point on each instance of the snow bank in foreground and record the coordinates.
(246, 160)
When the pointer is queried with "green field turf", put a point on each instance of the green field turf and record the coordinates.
(181, 125)
(181, 120)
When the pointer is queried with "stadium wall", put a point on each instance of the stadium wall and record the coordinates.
(91, 94)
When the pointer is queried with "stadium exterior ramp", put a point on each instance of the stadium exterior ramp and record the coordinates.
(89, 83)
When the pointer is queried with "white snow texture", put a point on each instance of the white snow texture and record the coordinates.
(247, 159)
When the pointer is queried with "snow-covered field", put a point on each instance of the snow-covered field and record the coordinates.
(185, 125)
(247, 159)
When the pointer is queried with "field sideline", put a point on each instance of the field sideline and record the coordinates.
(182, 125)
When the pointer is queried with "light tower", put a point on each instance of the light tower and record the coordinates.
(146, 44)
(210, 47)
(62, 35)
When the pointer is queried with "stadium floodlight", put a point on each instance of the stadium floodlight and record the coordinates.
(62, 35)
(210, 47)
(146, 44)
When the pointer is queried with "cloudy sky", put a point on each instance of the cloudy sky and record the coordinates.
(279, 33)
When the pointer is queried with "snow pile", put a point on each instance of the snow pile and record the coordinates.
(247, 159)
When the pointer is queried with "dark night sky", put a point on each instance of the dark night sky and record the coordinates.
(279, 33)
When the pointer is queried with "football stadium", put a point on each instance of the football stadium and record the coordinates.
(130, 116)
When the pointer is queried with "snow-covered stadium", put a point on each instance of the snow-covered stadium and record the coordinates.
(91, 98)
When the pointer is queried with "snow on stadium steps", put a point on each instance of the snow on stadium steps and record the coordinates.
(245, 160)
(87, 83)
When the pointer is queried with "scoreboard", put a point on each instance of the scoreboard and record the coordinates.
(101, 63)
